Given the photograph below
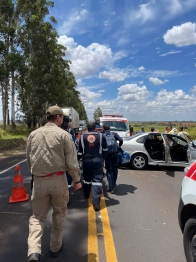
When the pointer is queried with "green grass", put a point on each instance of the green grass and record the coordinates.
(147, 126)
(12, 138)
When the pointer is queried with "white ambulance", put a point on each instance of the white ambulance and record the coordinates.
(117, 123)
(187, 212)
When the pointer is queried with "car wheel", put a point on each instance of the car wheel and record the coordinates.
(189, 239)
(139, 161)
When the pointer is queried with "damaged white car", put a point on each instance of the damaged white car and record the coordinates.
(159, 149)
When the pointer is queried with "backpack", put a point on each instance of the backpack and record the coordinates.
(111, 143)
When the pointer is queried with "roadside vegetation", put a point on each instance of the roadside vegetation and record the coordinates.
(16, 137)
(34, 71)
(189, 127)
(13, 138)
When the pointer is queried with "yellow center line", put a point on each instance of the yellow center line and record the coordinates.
(108, 238)
(92, 234)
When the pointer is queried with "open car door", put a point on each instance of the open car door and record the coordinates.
(154, 145)
(166, 148)
(179, 149)
(191, 154)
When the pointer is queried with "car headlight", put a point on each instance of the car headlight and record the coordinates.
(127, 134)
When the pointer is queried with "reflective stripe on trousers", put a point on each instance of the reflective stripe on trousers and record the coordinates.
(92, 173)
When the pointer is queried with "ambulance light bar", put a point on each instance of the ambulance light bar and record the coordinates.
(113, 115)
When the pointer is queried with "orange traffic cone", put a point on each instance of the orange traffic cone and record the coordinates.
(18, 191)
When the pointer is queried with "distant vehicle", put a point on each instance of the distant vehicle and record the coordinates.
(117, 123)
(187, 212)
(159, 149)
(74, 117)
(82, 125)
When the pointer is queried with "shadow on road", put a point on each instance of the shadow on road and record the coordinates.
(124, 189)
(169, 170)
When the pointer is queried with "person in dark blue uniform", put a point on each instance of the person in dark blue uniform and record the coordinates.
(111, 160)
(66, 126)
(92, 149)
(98, 126)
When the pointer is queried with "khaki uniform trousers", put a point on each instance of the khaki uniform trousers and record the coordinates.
(47, 190)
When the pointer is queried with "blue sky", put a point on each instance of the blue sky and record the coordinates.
(136, 58)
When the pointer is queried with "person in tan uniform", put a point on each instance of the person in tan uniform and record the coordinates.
(50, 153)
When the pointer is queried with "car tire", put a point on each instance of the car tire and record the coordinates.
(139, 161)
(189, 239)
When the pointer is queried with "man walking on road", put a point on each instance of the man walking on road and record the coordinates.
(112, 156)
(92, 149)
(50, 152)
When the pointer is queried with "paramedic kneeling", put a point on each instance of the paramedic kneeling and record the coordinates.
(50, 152)
(92, 149)
(112, 156)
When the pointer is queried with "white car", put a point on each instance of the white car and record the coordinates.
(159, 149)
(187, 212)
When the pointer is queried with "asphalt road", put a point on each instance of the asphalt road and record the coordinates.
(145, 222)
(142, 215)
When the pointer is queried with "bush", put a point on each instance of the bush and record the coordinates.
(19, 130)
(13, 137)
(2, 133)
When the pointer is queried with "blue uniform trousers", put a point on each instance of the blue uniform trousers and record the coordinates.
(93, 174)
(111, 170)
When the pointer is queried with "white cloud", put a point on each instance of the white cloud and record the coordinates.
(171, 98)
(68, 42)
(107, 105)
(74, 22)
(156, 81)
(153, 10)
(183, 35)
(133, 92)
(176, 7)
(119, 55)
(171, 53)
(114, 75)
(143, 14)
(101, 91)
(163, 73)
(134, 102)
(86, 94)
(193, 90)
(141, 68)
(86, 61)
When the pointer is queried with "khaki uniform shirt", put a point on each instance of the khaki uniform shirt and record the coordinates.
(173, 132)
(50, 149)
(182, 134)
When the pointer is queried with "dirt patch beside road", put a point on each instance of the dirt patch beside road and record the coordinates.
(10, 157)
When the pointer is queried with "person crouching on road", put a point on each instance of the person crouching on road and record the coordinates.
(112, 157)
(92, 149)
(50, 152)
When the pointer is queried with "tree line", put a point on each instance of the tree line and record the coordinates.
(34, 73)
